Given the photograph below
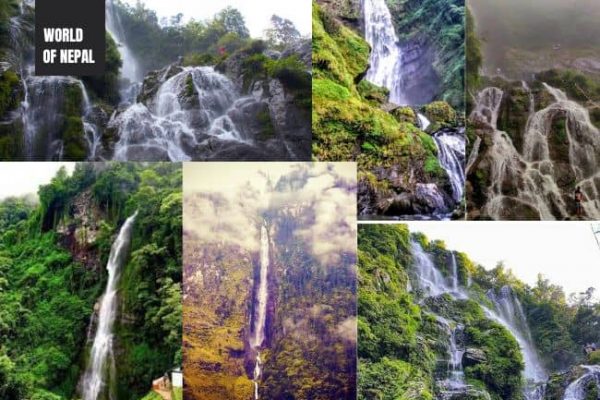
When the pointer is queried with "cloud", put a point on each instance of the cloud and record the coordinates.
(234, 215)
(347, 329)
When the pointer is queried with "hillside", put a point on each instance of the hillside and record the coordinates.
(53, 271)
(435, 325)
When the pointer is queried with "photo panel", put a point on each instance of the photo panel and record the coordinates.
(479, 310)
(269, 281)
(220, 81)
(90, 281)
(533, 84)
(388, 92)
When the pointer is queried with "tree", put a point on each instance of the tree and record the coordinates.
(233, 22)
(282, 32)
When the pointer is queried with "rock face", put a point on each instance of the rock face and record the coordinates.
(223, 113)
(80, 229)
(473, 356)
(349, 12)
(535, 147)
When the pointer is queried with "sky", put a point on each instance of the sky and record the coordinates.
(564, 252)
(22, 178)
(257, 13)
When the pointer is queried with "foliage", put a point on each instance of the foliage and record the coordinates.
(106, 86)
(47, 292)
(441, 24)
(156, 43)
(282, 32)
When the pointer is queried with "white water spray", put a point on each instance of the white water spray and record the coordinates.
(262, 297)
(100, 371)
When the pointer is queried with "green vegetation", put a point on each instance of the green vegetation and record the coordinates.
(474, 60)
(400, 339)
(52, 258)
(349, 122)
(106, 87)
(440, 23)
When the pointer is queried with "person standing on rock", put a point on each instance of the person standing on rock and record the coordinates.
(578, 202)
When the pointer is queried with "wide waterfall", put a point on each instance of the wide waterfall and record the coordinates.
(172, 127)
(262, 297)
(386, 56)
(536, 175)
(507, 311)
(100, 372)
(577, 389)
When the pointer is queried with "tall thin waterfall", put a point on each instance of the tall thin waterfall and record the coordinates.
(131, 69)
(508, 312)
(386, 56)
(262, 297)
(100, 372)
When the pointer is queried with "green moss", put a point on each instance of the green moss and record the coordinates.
(190, 91)
(376, 94)
(268, 131)
(441, 112)
(327, 89)
(73, 133)
(10, 97)
(405, 114)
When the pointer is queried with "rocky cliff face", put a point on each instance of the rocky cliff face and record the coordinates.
(547, 140)
(80, 229)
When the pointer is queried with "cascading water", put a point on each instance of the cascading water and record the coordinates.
(170, 128)
(99, 374)
(262, 297)
(507, 311)
(42, 111)
(431, 280)
(454, 383)
(131, 70)
(577, 389)
(451, 153)
(386, 57)
(533, 172)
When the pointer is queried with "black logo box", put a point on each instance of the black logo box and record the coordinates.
(88, 15)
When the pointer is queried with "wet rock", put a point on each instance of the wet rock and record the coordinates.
(473, 356)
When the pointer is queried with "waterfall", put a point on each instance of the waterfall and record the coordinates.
(131, 69)
(386, 55)
(423, 121)
(430, 278)
(171, 127)
(532, 170)
(262, 297)
(454, 273)
(508, 312)
(577, 389)
(454, 384)
(451, 153)
(100, 372)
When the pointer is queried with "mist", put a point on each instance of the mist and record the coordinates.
(535, 26)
